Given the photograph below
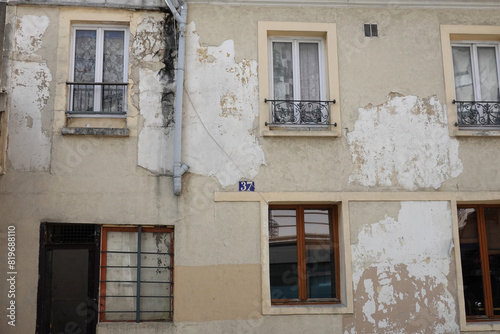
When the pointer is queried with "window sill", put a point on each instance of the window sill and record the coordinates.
(306, 309)
(480, 326)
(301, 133)
(475, 133)
(110, 132)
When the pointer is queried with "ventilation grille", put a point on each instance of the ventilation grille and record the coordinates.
(371, 30)
(71, 234)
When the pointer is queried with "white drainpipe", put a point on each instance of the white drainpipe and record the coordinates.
(179, 169)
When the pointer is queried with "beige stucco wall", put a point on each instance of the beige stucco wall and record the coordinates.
(394, 140)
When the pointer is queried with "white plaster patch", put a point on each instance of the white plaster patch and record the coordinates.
(404, 142)
(155, 151)
(148, 43)
(425, 229)
(29, 33)
(221, 108)
(29, 146)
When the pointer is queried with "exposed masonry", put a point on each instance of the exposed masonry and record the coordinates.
(401, 285)
(405, 143)
(221, 108)
(154, 43)
(29, 146)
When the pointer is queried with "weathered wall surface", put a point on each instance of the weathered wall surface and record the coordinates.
(394, 138)
(221, 109)
(401, 269)
(403, 143)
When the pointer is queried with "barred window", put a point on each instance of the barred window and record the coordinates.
(136, 274)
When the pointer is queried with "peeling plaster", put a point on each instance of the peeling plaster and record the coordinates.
(155, 140)
(29, 146)
(29, 33)
(401, 285)
(221, 108)
(403, 142)
(149, 43)
(153, 43)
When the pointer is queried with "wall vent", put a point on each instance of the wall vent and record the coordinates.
(371, 30)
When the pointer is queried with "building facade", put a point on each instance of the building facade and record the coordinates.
(342, 166)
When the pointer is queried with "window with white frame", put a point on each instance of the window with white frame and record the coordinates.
(297, 82)
(98, 70)
(476, 74)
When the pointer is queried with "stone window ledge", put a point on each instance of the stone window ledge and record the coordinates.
(112, 132)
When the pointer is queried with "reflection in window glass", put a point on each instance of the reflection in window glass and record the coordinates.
(283, 254)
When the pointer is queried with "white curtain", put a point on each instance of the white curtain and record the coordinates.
(309, 72)
(488, 74)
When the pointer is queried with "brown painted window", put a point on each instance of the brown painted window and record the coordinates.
(303, 254)
(479, 230)
(136, 274)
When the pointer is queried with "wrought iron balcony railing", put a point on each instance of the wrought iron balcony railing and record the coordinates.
(300, 112)
(478, 113)
(96, 98)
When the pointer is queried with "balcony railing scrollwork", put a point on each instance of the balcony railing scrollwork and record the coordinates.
(481, 114)
(300, 112)
(97, 98)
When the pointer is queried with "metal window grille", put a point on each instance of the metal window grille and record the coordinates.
(137, 280)
(112, 98)
(71, 234)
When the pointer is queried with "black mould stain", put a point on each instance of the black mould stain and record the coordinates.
(167, 73)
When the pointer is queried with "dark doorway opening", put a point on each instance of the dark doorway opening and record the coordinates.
(68, 279)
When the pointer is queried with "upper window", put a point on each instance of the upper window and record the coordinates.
(303, 254)
(98, 76)
(479, 231)
(298, 79)
(298, 83)
(471, 60)
(136, 274)
(476, 74)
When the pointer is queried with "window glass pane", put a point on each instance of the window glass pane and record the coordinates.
(114, 44)
(462, 68)
(471, 261)
(283, 71)
(310, 88)
(320, 266)
(155, 275)
(85, 53)
(488, 74)
(113, 69)
(283, 254)
(492, 222)
(121, 281)
(84, 69)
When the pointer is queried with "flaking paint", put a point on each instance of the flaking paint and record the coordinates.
(221, 108)
(402, 284)
(152, 46)
(403, 142)
(29, 145)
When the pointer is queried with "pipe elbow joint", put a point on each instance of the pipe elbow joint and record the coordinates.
(178, 172)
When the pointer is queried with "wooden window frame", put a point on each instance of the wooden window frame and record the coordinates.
(103, 267)
(485, 266)
(301, 254)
